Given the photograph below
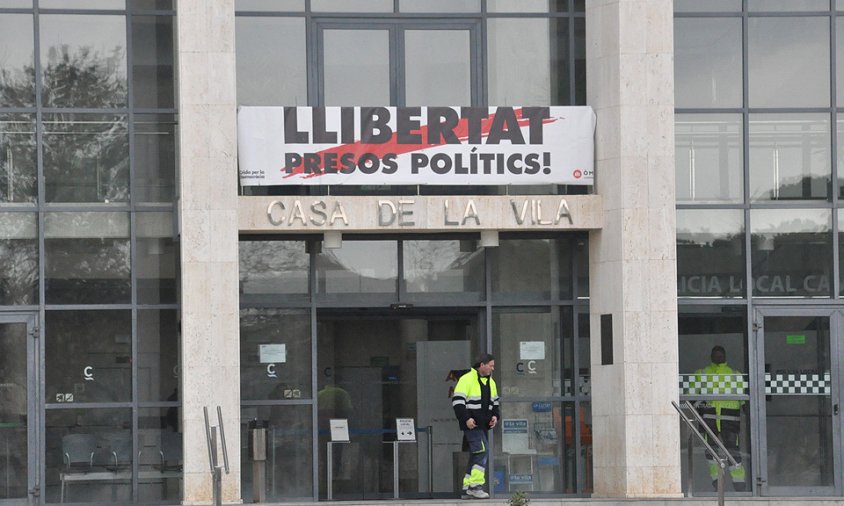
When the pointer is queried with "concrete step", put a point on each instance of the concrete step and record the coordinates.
(685, 501)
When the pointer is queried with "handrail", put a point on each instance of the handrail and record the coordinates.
(211, 439)
(722, 462)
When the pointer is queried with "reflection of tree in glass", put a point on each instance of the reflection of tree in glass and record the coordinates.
(425, 261)
(17, 158)
(19, 265)
(86, 158)
(85, 78)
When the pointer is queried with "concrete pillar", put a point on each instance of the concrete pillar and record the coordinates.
(208, 226)
(632, 264)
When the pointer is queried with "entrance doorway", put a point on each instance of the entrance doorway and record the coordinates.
(18, 408)
(797, 412)
(375, 367)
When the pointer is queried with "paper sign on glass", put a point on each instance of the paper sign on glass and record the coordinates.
(405, 429)
(339, 430)
(272, 353)
(532, 350)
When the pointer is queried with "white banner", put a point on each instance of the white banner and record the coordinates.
(416, 145)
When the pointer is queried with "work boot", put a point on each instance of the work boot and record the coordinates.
(465, 494)
(477, 493)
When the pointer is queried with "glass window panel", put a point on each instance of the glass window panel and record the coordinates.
(707, 6)
(82, 4)
(352, 6)
(791, 252)
(87, 258)
(289, 453)
(528, 61)
(271, 77)
(155, 158)
(787, 5)
(152, 61)
(16, 3)
(86, 158)
(438, 67)
(83, 60)
(270, 5)
(531, 269)
(440, 6)
(17, 66)
(359, 267)
(158, 357)
(18, 258)
(840, 161)
(544, 459)
(584, 355)
(700, 329)
(710, 253)
(794, 54)
(88, 356)
(520, 6)
(709, 158)
(443, 270)
(275, 354)
(159, 456)
(357, 67)
(18, 166)
(581, 266)
(839, 56)
(73, 435)
(15, 424)
(707, 62)
(273, 271)
(526, 343)
(151, 5)
(156, 258)
(841, 249)
(790, 156)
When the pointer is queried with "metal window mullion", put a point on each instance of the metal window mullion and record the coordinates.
(483, 56)
(312, 283)
(401, 282)
(398, 72)
(835, 186)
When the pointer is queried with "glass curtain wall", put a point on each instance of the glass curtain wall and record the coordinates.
(300, 299)
(87, 242)
(758, 92)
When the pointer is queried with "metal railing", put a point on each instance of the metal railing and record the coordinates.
(211, 439)
(721, 459)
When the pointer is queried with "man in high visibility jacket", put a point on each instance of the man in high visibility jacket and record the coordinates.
(475, 403)
(722, 417)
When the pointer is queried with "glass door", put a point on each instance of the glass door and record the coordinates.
(797, 408)
(18, 450)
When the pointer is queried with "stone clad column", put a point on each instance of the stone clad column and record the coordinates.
(208, 226)
(632, 264)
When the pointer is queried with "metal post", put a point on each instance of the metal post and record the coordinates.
(691, 491)
(329, 471)
(431, 459)
(395, 469)
(721, 465)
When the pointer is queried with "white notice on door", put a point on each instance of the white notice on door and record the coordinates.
(339, 430)
(272, 353)
(532, 350)
(405, 429)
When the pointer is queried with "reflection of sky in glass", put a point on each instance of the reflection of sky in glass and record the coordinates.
(372, 259)
(707, 62)
(16, 41)
(788, 62)
(705, 226)
(789, 221)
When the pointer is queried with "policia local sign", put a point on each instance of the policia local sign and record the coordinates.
(416, 145)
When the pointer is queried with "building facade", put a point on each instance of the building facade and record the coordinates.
(144, 281)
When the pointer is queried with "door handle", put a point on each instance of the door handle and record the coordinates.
(835, 409)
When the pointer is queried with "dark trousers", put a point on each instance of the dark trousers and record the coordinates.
(478, 443)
